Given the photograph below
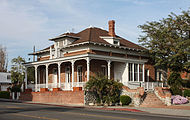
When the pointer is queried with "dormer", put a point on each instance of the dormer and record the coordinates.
(112, 39)
(64, 39)
(60, 42)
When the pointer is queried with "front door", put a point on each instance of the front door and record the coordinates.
(67, 77)
(54, 77)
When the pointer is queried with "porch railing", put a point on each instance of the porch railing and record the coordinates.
(151, 85)
(31, 86)
(64, 86)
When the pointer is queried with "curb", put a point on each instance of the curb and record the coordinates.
(86, 107)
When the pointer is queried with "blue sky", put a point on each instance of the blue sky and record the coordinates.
(25, 23)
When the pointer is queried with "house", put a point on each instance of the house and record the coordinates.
(68, 64)
(5, 81)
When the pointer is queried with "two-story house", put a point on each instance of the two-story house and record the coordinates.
(74, 57)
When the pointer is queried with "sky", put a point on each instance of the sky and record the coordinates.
(28, 23)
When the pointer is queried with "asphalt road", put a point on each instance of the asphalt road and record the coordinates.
(23, 111)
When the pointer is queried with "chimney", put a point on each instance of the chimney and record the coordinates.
(111, 28)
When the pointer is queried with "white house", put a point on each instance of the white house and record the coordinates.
(5, 81)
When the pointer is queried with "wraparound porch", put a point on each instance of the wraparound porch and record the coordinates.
(67, 73)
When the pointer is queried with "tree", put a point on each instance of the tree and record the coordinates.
(168, 44)
(17, 70)
(105, 90)
(168, 41)
(3, 59)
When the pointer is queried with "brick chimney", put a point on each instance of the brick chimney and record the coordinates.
(111, 28)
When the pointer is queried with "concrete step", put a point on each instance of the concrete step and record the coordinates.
(151, 100)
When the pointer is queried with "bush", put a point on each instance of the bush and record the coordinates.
(125, 100)
(186, 83)
(187, 93)
(16, 88)
(175, 83)
(4, 94)
(103, 89)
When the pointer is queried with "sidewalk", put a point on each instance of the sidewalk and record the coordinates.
(177, 110)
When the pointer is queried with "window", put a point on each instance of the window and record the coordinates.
(140, 72)
(136, 72)
(160, 76)
(60, 43)
(79, 73)
(146, 75)
(8, 77)
(115, 42)
(67, 74)
(130, 67)
(104, 70)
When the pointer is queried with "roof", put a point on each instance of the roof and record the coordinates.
(94, 34)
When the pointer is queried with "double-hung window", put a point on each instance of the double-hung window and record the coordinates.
(130, 67)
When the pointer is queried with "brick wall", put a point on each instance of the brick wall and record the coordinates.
(60, 97)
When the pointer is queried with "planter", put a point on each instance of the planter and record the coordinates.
(43, 89)
(56, 89)
(77, 88)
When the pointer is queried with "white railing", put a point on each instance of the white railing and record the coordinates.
(31, 86)
(64, 86)
(133, 85)
(151, 85)
(79, 84)
(52, 85)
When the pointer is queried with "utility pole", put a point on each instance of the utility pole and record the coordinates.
(34, 52)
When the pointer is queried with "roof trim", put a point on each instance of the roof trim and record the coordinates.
(102, 44)
(63, 36)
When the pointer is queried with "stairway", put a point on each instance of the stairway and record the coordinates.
(151, 100)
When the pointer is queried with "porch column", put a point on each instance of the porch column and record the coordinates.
(133, 71)
(47, 75)
(127, 68)
(59, 75)
(109, 68)
(143, 73)
(88, 68)
(36, 77)
(73, 67)
(25, 77)
(138, 72)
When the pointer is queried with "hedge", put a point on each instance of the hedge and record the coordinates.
(186, 93)
(4, 94)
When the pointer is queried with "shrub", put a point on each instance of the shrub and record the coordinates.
(4, 94)
(187, 93)
(16, 88)
(105, 90)
(175, 83)
(186, 83)
(125, 100)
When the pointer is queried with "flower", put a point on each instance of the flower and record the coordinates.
(177, 99)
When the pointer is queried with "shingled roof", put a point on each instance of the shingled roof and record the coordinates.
(94, 34)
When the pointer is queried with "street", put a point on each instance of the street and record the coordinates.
(23, 111)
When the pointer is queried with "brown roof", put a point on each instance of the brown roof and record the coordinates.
(93, 34)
